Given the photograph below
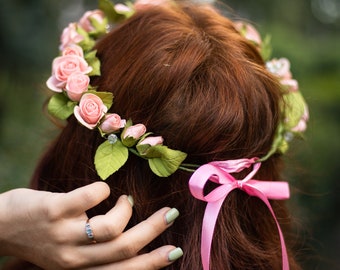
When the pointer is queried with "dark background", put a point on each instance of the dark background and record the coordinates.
(304, 31)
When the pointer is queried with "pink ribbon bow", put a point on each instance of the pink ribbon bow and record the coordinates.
(219, 172)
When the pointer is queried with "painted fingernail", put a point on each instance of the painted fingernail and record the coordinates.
(175, 254)
(130, 199)
(171, 215)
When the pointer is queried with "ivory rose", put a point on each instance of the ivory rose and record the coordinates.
(63, 67)
(70, 36)
(90, 110)
(281, 68)
(152, 140)
(77, 84)
(112, 122)
(135, 131)
(85, 21)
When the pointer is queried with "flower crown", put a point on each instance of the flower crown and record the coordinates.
(70, 81)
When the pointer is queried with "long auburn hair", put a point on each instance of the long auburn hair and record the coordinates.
(189, 76)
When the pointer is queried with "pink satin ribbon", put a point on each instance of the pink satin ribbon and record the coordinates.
(219, 172)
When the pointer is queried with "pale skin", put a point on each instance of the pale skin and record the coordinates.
(48, 229)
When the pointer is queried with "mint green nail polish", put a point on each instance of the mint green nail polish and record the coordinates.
(130, 199)
(175, 254)
(171, 215)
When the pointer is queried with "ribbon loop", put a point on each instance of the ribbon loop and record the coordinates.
(219, 172)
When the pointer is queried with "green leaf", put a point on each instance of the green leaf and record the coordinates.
(99, 27)
(164, 161)
(94, 62)
(110, 12)
(266, 48)
(87, 43)
(110, 158)
(294, 109)
(60, 106)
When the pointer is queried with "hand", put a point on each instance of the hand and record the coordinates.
(48, 229)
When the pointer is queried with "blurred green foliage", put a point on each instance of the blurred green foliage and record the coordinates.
(305, 31)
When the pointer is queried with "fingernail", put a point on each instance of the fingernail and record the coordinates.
(130, 199)
(175, 254)
(171, 215)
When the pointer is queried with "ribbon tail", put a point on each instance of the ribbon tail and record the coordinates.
(260, 195)
(208, 227)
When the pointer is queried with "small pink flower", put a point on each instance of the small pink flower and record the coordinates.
(248, 31)
(121, 8)
(70, 36)
(152, 140)
(73, 49)
(135, 131)
(280, 67)
(302, 125)
(90, 110)
(85, 21)
(112, 123)
(63, 67)
(77, 84)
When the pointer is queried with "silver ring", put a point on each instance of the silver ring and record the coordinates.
(89, 232)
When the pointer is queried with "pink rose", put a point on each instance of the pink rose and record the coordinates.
(70, 36)
(90, 110)
(152, 140)
(248, 31)
(112, 122)
(63, 67)
(85, 21)
(77, 84)
(73, 50)
(135, 131)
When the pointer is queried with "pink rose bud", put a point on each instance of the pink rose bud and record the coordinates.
(112, 123)
(292, 84)
(248, 31)
(135, 131)
(85, 21)
(90, 110)
(77, 84)
(70, 36)
(152, 140)
(63, 67)
(73, 50)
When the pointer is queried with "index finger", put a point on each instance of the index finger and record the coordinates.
(76, 202)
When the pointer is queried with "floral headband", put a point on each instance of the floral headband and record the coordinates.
(70, 80)
(294, 107)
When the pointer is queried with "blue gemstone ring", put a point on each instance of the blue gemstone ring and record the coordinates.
(89, 232)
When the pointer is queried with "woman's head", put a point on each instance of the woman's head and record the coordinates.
(188, 75)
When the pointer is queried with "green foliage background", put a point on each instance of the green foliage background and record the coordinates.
(305, 31)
